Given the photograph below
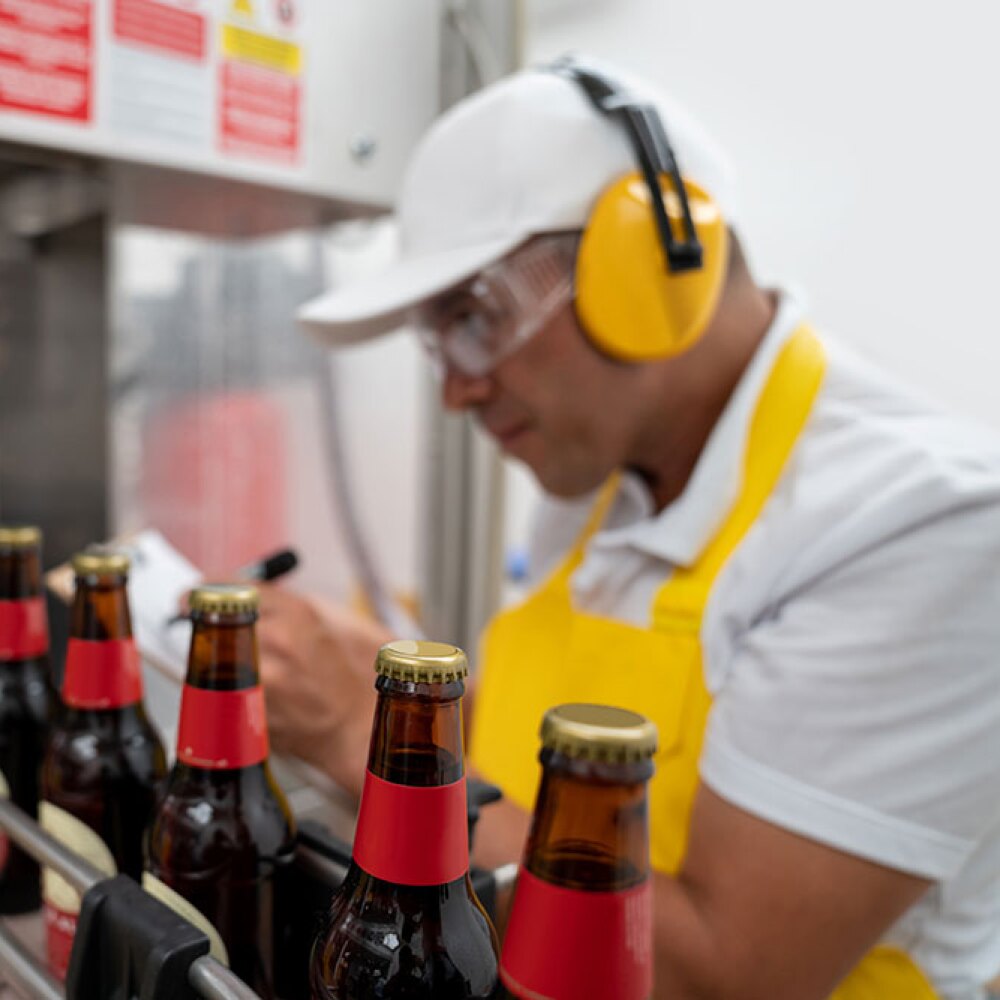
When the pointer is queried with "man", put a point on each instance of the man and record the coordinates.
(784, 559)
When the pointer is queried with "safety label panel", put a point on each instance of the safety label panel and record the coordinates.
(261, 72)
(162, 27)
(160, 71)
(46, 58)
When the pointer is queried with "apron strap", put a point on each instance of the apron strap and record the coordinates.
(782, 411)
(595, 518)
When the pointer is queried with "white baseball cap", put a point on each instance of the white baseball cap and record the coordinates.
(527, 155)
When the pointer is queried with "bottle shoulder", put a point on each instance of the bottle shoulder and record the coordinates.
(205, 819)
(92, 749)
(439, 934)
(26, 697)
(112, 725)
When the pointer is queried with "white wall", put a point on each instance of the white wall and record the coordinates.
(866, 138)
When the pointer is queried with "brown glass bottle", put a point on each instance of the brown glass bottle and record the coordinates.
(406, 924)
(27, 700)
(581, 922)
(104, 764)
(223, 830)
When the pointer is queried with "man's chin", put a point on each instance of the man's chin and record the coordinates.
(565, 485)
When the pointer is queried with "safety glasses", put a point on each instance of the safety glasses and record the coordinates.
(473, 327)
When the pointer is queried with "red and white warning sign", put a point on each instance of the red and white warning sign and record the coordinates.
(260, 95)
(46, 58)
(162, 27)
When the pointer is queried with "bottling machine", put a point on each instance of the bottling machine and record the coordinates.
(176, 177)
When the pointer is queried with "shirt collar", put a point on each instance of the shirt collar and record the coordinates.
(680, 532)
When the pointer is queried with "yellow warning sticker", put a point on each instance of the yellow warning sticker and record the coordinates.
(244, 7)
(264, 50)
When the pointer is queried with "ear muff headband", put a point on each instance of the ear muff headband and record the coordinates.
(652, 260)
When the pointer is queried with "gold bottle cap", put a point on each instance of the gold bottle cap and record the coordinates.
(100, 560)
(224, 599)
(598, 732)
(421, 661)
(19, 536)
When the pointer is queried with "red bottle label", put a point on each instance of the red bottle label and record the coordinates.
(102, 673)
(24, 629)
(410, 835)
(222, 730)
(60, 929)
(567, 944)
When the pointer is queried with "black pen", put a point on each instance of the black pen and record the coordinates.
(270, 568)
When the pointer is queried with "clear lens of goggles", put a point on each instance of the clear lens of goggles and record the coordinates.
(477, 325)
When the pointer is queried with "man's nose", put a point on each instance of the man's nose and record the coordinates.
(460, 391)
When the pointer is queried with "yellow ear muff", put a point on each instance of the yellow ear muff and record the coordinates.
(627, 300)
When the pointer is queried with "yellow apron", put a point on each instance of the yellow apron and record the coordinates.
(544, 652)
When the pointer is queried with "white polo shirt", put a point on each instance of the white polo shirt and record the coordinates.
(852, 641)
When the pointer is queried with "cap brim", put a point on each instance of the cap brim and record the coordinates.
(379, 303)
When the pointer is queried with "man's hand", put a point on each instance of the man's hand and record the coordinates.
(317, 671)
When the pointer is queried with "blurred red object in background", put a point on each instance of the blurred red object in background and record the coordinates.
(215, 477)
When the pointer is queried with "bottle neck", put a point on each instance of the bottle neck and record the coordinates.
(413, 823)
(24, 631)
(417, 733)
(584, 890)
(223, 655)
(590, 828)
(223, 721)
(103, 670)
(20, 574)
(100, 608)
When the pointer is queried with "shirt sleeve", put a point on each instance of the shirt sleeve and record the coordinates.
(863, 711)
